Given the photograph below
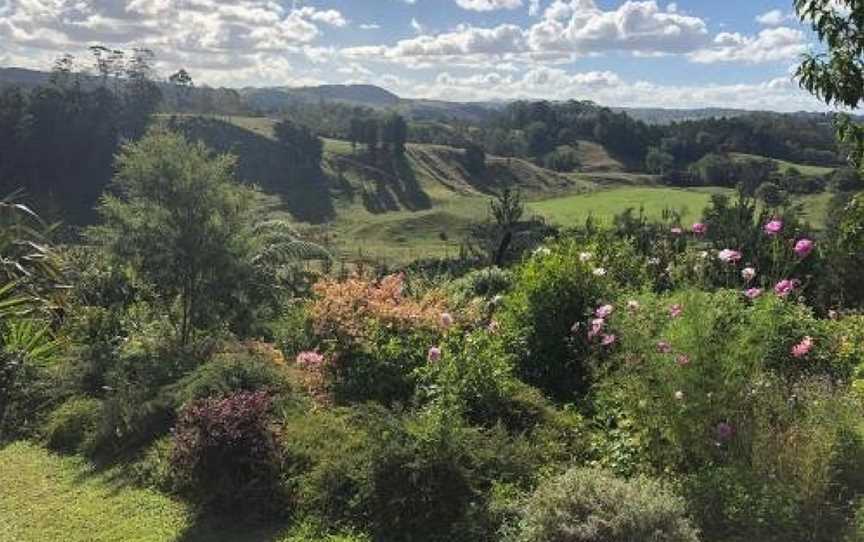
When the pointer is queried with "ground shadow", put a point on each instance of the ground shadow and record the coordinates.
(305, 191)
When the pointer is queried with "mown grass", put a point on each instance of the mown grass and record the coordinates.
(47, 498)
(603, 205)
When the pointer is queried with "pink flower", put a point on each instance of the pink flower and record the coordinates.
(699, 228)
(773, 227)
(664, 347)
(676, 231)
(604, 311)
(608, 340)
(310, 360)
(803, 348)
(676, 311)
(434, 354)
(748, 273)
(804, 247)
(446, 319)
(753, 293)
(597, 325)
(729, 256)
(785, 287)
(683, 360)
(724, 431)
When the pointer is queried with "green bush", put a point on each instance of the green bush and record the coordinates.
(229, 373)
(718, 389)
(554, 289)
(381, 368)
(585, 505)
(71, 427)
(424, 476)
(487, 283)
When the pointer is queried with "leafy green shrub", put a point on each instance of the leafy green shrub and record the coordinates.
(381, 368)
(72, 425)
(487, 282)
(225, 453)
(709, 382)
(585, 505)
(229, 373)
(554, 289)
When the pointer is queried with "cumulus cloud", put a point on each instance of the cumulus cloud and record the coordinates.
(567, 29)
(488, 5)
(232, 34)
(769, 45)
(775, 17)
(607, 88)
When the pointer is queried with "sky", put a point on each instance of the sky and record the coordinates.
(646, 53)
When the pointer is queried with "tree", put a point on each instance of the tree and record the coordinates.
(182, 82)
(771, 194)
(836, 74)
(176, 217)
(305, 147)
(475, 159)
(394, 132)
(659, 162)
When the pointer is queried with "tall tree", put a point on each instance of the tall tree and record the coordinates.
(836, 74)
(175, 215)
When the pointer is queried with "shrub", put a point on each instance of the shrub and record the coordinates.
(225, 453)
(585, 505)
(487, 283)
(71, 427)
(229, 373)
(554, 289)
(720, 388)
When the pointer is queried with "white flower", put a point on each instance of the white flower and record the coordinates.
(654, 261)
(704, 254)
(679, 395)
(542, 251)
(585, 257)
(599, 272)
(748, 273)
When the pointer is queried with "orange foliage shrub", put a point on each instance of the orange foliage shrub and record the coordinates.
(345, 309)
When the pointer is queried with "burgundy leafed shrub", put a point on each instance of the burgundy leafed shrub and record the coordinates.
(225, 449)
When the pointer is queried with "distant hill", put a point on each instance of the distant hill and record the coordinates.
(275, 98)
(656, 115)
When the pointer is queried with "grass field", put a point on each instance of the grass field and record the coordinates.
(605, 204)
(46, 498)
(422, 205)
(783, 165)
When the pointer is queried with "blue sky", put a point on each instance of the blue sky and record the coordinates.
(689, 53)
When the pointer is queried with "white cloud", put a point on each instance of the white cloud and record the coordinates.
(534, 8)
(568, 29)
(197, 34)
(772, 44)
(775, 17)
(488, 5)
(369, 26)
(581, 26)
(415, 24)
(607, 88)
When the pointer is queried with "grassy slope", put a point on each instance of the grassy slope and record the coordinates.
(783, 165)
(46, 498)
(423, 205)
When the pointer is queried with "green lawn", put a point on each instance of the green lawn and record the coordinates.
(46, 498)
(603, 205)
